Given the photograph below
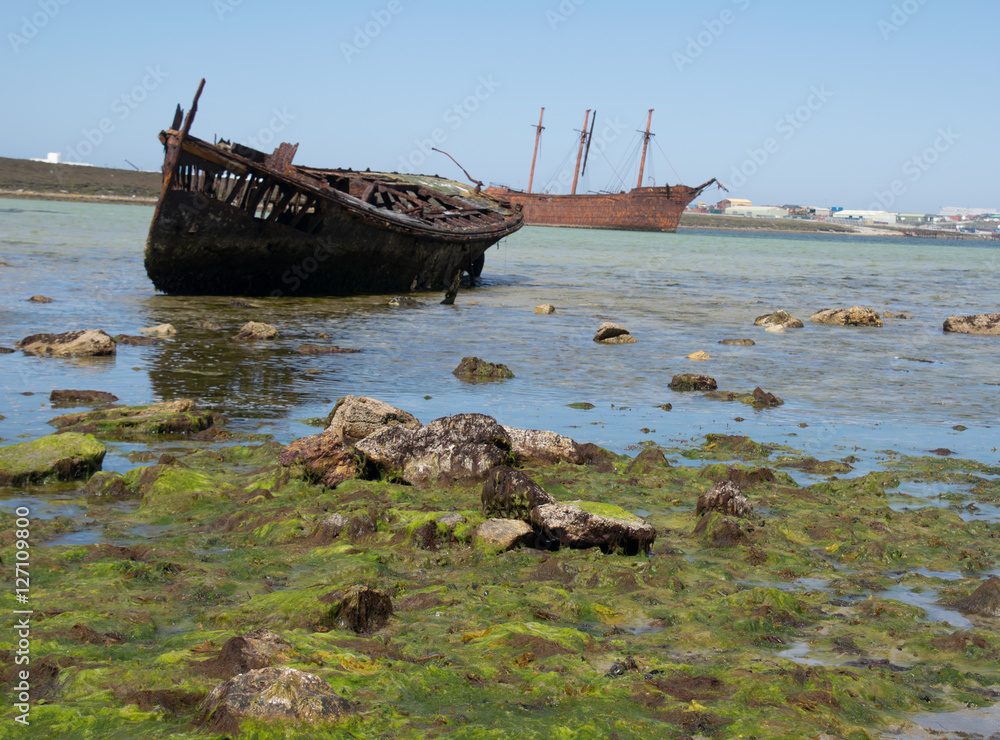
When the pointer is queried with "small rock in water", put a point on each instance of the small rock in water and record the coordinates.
(404, 301)
(959, 428)
(853, 316)
(135, 341)
(208, 326)
(983, 323)
(608, 333)
(691, 382)
(7, 350)
(942, 451)
(582, 405)
(891, 315)
(775, 329)
(315, 349)
(762, 398)
(236, 303)
(162, 330)
(91, 342)
(253, 330)
(39, 299)
(779, 318)
(80, 398)
(474, 370)
(738, 342)
(545, 308)
(699, 356)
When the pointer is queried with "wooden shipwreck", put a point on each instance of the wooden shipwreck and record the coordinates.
(235, 221)
(639, 209)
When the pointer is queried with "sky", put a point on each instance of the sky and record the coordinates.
(876, 104)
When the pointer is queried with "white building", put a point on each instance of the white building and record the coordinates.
(873, 217)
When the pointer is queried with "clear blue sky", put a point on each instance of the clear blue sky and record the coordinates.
(785, 102)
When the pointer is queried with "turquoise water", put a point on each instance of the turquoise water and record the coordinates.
(856, 391)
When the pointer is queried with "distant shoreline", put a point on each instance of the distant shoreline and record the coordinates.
(77, 198)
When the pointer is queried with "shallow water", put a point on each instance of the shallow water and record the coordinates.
(677, 293)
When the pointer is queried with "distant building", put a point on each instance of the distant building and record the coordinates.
(820, 212)
(951, 212)
(874, 217)
(757, 211)
(722, 205)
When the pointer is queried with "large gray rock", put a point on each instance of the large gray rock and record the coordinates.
(853, 316)
(57, 456)
(584, 524)
(537, 446)
(981, 323)
(272, 694)
(511, 494)
(91, 342)
(779, 318)
(455, 449)
(356, 417)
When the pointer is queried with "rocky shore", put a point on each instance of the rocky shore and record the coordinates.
(462, 578)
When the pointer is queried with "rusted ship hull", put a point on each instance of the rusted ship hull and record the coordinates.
(640, 209)
(234, 221)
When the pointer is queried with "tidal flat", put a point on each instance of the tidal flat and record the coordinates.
(830, 611)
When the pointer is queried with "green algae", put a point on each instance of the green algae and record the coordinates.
(54, 457)
(483, 644)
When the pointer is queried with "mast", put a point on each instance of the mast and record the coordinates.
(645, 144)
(579, 156)
(535, 155)
(590, 138)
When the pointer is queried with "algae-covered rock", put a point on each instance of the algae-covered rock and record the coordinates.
(692, 382)
(982, 323)
(726, 498)
(462, 448)
(537, 446)
(609, 333)
(323, 349)
(474, 370)
(57, 456)
(80, 398)
(853, 316)
(123, 422)
(779, 318)
(362, 609)
(504, 534)
(738, 342)
(356, 417)
(511, 494)
(984, 601)
(584, 524)
(722, 532)
(256, 649)
(254, 330)
(91, 342)
(321, 458)
(269, 695)
(762, 399)
(108, 486)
